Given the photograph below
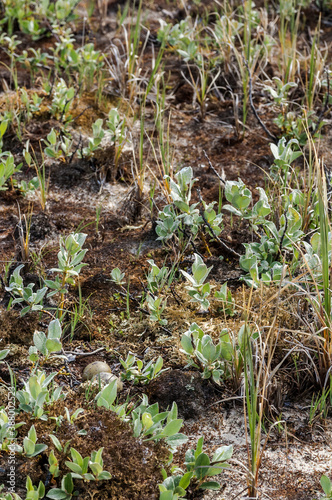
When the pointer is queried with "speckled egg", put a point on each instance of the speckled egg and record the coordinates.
(94, 368)
(106, 378)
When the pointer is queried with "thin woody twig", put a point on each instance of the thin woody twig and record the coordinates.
(78, 116)
(71, 11)
(68, 101)
(84, 353)
(213, 169)
(175, 295)
(76, 149)
(283, 234)
(220, 241)
(268, 133)
(326, 105)
(190, 241)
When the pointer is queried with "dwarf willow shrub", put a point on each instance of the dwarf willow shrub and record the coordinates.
(197, 289)
(204, 354)
(38, 392)
(199, 468)
(70, 264)
(181, 219)
(262, 258)
(7, 169)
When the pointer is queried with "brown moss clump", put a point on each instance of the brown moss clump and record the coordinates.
(135, 464)
(17, 330)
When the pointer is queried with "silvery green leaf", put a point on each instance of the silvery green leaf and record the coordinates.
(39, 448)
(23, 397)
(29, 446)
(76, 457)
(222, 294)
(56, 442)
(48, 379)
(216, 375)
(108, 394)
(104, 476)
(57, 494)
(53, 345)
(210, 485)
(226, 350)
(208, 348)
(326, 484)
(202, 463)
(74, 467)
(158, 365)
(96, 468)
(222, 454)
(25, 310)
(4, 353)
(34, 387)
(54, 329)
(39, 339)
(187, 344)
(40, 400)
